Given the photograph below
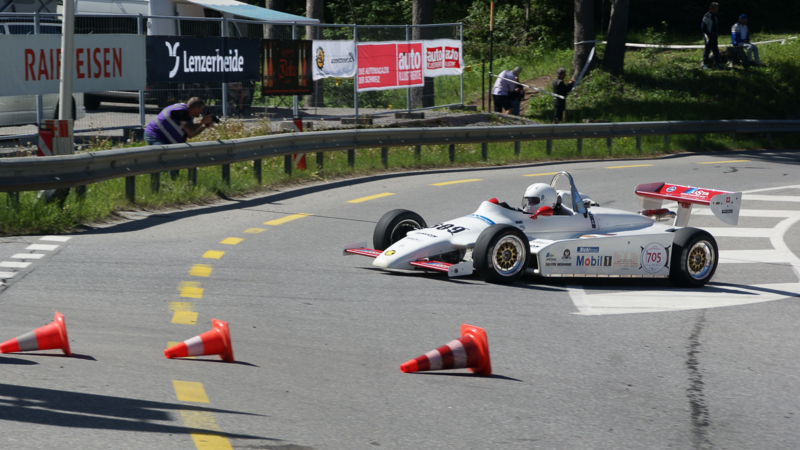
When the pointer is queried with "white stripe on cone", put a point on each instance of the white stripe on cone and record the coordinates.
(459, 354)
(434, 359)
(28, 342)
(194, 346)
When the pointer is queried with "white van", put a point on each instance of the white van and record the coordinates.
(21, 109)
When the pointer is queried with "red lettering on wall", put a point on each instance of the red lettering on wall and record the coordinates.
(30, 60)
(106, 62)
(97, 63)
(58, 64)
(79, 62)
(43, 66)
(117, 62)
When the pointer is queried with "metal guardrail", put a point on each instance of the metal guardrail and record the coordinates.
(34, 173)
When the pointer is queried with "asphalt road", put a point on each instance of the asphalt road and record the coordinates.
(319, 337)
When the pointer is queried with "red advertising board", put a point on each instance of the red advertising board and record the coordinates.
(389, 65)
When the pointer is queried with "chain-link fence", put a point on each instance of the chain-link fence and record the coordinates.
(333, 98)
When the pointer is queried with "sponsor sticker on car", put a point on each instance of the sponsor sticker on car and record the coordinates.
(481, 218)
(653, 257)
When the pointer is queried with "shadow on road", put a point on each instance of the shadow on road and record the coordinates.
(79, 410)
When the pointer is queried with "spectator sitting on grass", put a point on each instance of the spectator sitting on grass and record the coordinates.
(740, 37)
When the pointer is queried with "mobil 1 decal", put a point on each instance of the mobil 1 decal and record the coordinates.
(654, 257)
(179, 59)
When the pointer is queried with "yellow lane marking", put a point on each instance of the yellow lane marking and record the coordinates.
(180, 306)
(283, 220)
(456, 182)
(540, 174)
(370, 197)
(209, 438)
(190, 289)
(213, 254)
(625, 167)
(200, 270)
(231, 241)
(254, 230)
(190, 391)
(173, 343)
(725, 162)
(184, 318)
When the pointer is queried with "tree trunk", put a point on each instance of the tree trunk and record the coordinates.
(422, 13)
(271, 32)
(584, 31)
(314, 10)
(614, 58)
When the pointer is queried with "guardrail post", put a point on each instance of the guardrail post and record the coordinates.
(226, 174)
(769, 138)
(638, 143)
(257, 170)
(80, 193)
(580, 145)
(418, 153)
(484, 151)
(733, 138)
(351, 158)
(666, 141)
(320, 160)
(549, 146)
(174, 174)
(608, 143)
(192, 175)
(13, 199)
(516, 148)
(287, 164)
(385, 157)
(130, 189)
(155, 182)
(452, 151)
(699, 139)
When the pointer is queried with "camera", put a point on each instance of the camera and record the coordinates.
(215, 119)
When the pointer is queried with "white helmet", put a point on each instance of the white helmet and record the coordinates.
(538, 195)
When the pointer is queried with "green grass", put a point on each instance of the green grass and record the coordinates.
(656, 85)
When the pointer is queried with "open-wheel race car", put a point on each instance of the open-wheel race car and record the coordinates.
(561, 233)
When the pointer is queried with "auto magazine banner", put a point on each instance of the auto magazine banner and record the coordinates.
(442, 57)
(389, 65)
(179, 59)
(334, 59)
(31, 64)
(287, 67)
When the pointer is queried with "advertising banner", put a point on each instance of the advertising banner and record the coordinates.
(334, 59)
(31, 64)
(287, 67)
(179, 59)
(442, 57)
(389, 65)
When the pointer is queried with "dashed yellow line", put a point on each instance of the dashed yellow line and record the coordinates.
(370, 197)
(725, 162)
(200, 270)
(634, 165)
(283, 220)
(231, 241)
(184, 318)
(180, 306)
(540, 174)
(213, 254)
(189, 391)
(456, 182)
(254, 230)
(190, 289)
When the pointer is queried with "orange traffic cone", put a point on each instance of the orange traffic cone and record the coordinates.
(470, 351)
(217, 341)
(50, 336)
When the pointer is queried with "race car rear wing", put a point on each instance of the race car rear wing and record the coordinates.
(725, 205)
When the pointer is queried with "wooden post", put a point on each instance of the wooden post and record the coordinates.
(452, 151)
(226, 174)
(385, 157)
(155, 182)
(257, 172)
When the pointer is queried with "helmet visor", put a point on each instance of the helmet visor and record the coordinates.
(530, 204)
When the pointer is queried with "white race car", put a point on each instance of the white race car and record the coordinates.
(561, 233)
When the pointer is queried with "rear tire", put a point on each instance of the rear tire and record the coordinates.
(394, 225)
(695, 256)
(501, 254)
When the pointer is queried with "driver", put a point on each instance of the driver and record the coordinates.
(538, 195)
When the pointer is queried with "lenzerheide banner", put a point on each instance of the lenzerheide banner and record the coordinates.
(31, 64)
(179, 59)
(389, 65)
(287, 67)
(442, 57)
(334, 59)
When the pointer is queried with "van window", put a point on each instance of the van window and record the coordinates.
(20, 29)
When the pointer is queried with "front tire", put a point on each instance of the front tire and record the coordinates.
(695, 256)
(395, 225)
(501, 254)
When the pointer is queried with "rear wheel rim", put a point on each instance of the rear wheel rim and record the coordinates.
(508, 256)
(402, 228)
(700, 260)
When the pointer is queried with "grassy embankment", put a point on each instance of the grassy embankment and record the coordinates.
(657, 85)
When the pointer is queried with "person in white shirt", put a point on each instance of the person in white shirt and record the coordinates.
(503, 88)
(740, 37)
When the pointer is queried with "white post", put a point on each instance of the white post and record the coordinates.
(39, 106)
(67, 59)
(140, 30)
(355, 79)
(295, 105)
(224, 34)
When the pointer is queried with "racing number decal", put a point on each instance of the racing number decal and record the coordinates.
(449, 228)
(654, 257)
